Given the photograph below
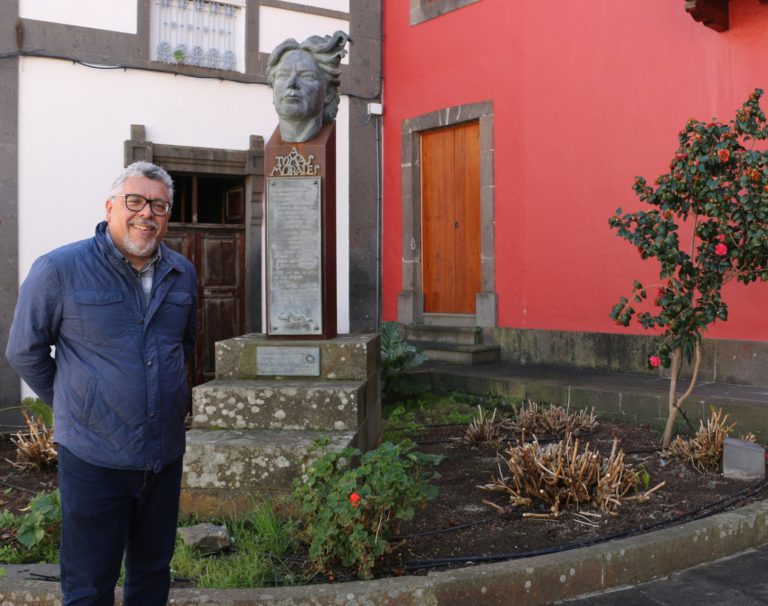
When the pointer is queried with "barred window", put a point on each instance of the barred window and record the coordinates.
(203, 33)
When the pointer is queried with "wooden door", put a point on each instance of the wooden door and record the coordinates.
(218, 255)
(450, 218)
(206, 227)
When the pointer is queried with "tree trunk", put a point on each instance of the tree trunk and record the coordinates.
(675, 404)
(671, 405)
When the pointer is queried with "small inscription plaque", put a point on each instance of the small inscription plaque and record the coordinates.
(294, 238)
(288, 361)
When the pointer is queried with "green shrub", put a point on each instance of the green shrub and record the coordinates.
(37, 532)
(397, 357)
(39, 409)
(349, 512)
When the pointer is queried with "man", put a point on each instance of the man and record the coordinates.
(120, 310)
(305, 81)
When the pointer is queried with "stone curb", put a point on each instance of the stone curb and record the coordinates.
(537, 580)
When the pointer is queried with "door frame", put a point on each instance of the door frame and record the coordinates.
(410, 300)
(247, 163)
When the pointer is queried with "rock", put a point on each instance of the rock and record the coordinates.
(208, 539)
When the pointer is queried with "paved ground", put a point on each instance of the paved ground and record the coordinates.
(741, 580)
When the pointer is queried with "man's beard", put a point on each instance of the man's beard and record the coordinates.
(138, 250)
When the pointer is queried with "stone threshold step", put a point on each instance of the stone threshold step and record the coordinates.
(457, 353)
(467, 335)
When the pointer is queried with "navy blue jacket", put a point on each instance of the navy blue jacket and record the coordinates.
(117, 383)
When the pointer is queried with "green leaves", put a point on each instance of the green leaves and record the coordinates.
(349, 511)
(717, 189)
(37, 531)
(44, 512)
(397, 357)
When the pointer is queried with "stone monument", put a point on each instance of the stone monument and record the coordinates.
(275, 393)
(301, 188)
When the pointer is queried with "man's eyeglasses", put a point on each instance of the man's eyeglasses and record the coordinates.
(136, 203)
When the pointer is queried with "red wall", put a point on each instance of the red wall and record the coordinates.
(586, 95)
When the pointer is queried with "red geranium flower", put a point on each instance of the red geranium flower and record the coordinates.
(354, 500)
(724, 155)
(654, 361)
(721, 249)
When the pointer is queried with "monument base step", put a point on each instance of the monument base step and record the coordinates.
(274, 404)
(228, 471)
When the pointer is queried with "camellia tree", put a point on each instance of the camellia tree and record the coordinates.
(717, 190)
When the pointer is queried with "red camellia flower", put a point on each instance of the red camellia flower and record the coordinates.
(724, 155)
(654, 361)
(721, 249)
(354, 500)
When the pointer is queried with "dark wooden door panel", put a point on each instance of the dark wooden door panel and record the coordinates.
(221, 320)
(218, 253)
(219, 262)
(222, 290)
(181, 243)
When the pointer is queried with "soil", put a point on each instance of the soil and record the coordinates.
(457, 528)
(479, 533)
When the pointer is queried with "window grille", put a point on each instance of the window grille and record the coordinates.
(203, 33)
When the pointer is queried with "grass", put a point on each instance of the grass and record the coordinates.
(261, 538)
(403, 419)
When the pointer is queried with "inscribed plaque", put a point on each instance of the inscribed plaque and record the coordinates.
(294, 255)
(288, 361)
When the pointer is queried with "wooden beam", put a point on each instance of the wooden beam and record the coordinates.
(712, 13)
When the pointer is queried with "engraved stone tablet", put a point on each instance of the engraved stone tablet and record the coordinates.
(294, 240)
(288, 361)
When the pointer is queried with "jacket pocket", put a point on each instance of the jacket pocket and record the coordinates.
(173, 314)
(102, 315)
(90, 394)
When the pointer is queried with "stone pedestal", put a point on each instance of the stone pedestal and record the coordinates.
(253, 424)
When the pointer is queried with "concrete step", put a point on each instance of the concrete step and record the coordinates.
(464, 335)
(458, 353)
(450, 320)
(627, 397)
(225, 470)
(272, 404)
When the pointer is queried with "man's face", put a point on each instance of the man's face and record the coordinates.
(298, 87)
(137, 234)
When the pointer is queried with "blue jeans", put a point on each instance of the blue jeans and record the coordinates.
(108, 512)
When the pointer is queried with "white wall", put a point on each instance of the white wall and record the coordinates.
(334, 5)
(112, 15)
(73, 121)
(276, 25)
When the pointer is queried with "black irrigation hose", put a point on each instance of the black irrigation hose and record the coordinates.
(4, 483)
(446, 529)
(721, 505)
